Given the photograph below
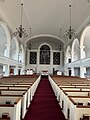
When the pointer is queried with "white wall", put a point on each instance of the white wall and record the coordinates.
(88, 53)
(77, 71)
(39, 67)
(88, 71)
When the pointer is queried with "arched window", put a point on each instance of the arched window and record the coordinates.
(3, 41)
(14, 49)
(45, 54)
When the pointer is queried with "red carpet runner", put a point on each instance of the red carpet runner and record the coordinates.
(44, 105)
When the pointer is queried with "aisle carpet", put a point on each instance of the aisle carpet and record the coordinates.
(44, 105)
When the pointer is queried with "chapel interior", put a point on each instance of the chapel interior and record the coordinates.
(45, 59)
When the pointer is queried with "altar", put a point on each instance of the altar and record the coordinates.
(44, 72)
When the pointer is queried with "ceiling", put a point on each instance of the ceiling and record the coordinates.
(44, 17)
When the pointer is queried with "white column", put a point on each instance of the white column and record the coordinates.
(66, 71)
(16, 70)
(7, 52)
(22, 70)
(23, 61)
(6, 70)
(66, 59)
(61, 58)
(17, 55)
(72, 56)
(72, 71)
(82, 52)
(82, 71)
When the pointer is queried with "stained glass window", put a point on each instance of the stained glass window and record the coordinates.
(56, 58)
(33, 58)
(45, 54)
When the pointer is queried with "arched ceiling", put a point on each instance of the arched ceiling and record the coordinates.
(45, 16)
(35, 42)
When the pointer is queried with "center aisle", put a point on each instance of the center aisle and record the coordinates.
(44, 105)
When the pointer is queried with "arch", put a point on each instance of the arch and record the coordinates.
(44, 44)
(68, 54)
(46, 47)
(7, 33)
(84, 43)
(21, 54)
(17, 43)
(45, 35)
(44, 53)
(6, 40)
(83, 35)
(14, 49)
(75, 50)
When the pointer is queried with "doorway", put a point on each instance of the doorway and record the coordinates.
(69, 72)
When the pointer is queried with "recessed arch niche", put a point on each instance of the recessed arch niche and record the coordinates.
(21, 54)
(85, 43)
(4, 40)
(68, 55)
(54, 47)
(75, 50)
(14, 49)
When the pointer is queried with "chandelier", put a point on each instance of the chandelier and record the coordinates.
(70, 33)
(20, 31)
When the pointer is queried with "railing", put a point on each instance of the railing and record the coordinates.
(5, 60)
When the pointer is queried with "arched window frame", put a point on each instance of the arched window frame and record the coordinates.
(44, 54)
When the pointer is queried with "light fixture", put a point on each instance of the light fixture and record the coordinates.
(21, 32)
(60, 34)
(70, 33)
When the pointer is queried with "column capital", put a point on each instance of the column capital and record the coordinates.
(82, 47)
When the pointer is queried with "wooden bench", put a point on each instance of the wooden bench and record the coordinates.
(5, 116)
(85, 117)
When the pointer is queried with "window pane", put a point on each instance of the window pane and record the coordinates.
(56, 58)
(45, 54)
(33, 58)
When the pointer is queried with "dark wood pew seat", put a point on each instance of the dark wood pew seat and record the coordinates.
(5, 116)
